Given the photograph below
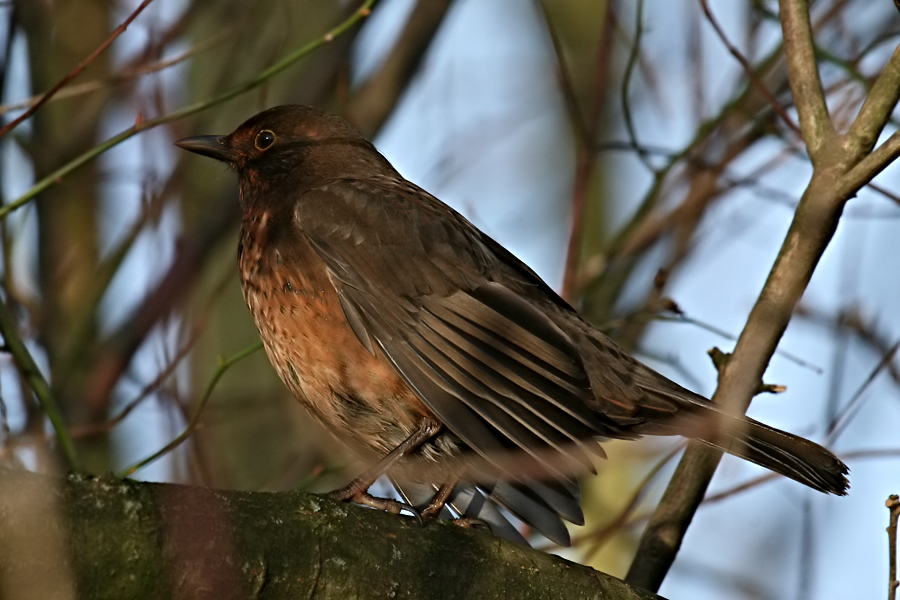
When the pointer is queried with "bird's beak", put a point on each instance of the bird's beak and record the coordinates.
(213, 146)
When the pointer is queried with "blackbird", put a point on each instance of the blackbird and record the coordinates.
(409, 333)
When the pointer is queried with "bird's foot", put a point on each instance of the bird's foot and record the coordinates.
(353, 493)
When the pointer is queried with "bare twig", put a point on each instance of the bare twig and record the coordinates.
(77, 70)
(846, 415)
(626, 85)
(888, 453)
(893, 505)
(224, 365)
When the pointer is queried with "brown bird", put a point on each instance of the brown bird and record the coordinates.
(408, 332)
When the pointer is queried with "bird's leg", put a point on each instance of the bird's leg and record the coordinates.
(434, 508)
(357, 490)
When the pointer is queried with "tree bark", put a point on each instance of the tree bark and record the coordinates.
(86, 537)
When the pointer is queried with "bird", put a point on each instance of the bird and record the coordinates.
(417, 339)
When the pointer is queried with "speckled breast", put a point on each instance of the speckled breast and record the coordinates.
(310, 344)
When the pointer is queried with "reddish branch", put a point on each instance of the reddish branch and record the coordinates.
(77, 70)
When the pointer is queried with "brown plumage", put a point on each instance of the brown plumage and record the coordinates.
(385, 311)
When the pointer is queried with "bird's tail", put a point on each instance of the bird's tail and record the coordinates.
(785, 453)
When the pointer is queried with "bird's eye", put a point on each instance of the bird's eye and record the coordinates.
(264, 139)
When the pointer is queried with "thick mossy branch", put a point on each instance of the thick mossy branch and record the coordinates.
(111, 538)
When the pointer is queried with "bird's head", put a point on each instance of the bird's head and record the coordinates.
(292, 147)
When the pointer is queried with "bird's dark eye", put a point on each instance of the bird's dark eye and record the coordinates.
(264, 139)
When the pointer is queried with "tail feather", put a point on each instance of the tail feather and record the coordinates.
(529, 506)
(786, 454)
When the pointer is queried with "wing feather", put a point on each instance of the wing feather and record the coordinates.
(495, 369)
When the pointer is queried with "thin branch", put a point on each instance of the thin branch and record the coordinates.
(626, 84)
(744, 102)
(122, 76)
(888, 453)
(155, 383)
(32, 374)
(583, 131)
(56, 177)
(812, 228)
(803, 74)
(750, 71)
(885, 192)
(853, 407)
(77, 70)
(224, 365)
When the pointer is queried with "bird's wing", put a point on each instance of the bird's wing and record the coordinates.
(418, 282)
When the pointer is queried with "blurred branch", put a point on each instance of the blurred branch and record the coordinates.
(116, 350)
(598, 537)
(123, 539)
(77, 70)
(371, 105)
(149, 388)
(842, 419)
(633, 54)
(8, 37)
(748, 69)
(586, 129)
(121, 77)
(851, 319)
(32, 374)
(714, 138)
(82, 327)
(887, 453)
(224, 365)
(56, 177)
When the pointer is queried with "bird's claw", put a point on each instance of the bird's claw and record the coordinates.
(471, 523)
(356, 496)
